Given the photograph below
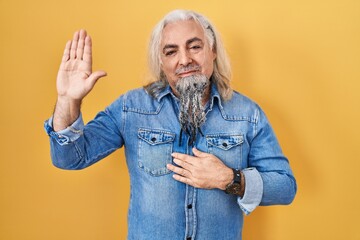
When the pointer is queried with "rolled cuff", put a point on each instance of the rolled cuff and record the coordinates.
(68, 135)
(253, 191)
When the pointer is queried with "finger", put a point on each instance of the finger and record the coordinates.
(74, 44)
(81, 44)
(66, 55)
(182, 157)
(92, 79)
(199, 153)
(183, 164)
(182, 179)
(87, 56)
(178, 170)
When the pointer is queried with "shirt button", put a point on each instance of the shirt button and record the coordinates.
(189, 207)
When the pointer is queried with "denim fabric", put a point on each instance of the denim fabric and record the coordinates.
(236, 131)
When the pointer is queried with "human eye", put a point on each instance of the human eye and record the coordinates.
(169, 50)
(195, 47)
(169, 53)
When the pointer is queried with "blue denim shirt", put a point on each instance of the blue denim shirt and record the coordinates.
(236, 131)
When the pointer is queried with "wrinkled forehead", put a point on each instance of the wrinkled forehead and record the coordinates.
(178, 32)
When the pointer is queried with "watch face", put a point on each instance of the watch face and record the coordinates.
(234, 188)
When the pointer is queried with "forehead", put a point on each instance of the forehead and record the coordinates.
(180, 31)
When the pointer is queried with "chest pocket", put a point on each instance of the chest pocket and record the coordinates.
(226, 147)
(154, 152)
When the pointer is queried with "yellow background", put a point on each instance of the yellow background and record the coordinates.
(300, 60)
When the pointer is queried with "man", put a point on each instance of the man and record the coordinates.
(199, 154)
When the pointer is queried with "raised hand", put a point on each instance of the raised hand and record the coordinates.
(75, 79)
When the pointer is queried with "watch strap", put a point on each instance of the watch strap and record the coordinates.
(236, 182)
(237, 175)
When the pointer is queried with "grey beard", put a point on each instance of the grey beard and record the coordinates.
(191, 91)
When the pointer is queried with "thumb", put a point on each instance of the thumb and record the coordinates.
(94, 76)
(199, 153)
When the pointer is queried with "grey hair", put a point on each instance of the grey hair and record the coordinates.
(222, 69)
(192, 111)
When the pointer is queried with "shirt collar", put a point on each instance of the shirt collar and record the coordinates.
(214, 95)
(167, 90)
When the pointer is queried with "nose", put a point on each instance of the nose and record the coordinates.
(184, 58)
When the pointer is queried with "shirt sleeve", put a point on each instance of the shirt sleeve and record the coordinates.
(269, 179)
(253, 190)
(68, 135)
(79, 146)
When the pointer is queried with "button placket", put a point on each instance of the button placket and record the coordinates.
(190, 208)
(190, 212)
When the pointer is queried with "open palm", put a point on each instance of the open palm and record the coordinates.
(75, 78)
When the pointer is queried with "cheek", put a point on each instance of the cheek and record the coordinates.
(169, 73)
(207, 62)
(167, 67)
(208, 68)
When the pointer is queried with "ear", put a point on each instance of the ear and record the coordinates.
(214, 54)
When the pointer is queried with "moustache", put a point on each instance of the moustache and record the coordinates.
(188, 68)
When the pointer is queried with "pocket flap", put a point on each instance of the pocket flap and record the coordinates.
(154, 137)
(224, 142)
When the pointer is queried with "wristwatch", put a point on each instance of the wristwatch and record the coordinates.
(235, 186)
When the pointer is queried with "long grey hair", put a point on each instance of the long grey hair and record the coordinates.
(222, 70)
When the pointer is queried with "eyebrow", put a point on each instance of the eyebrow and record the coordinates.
(194, 39)
(191, 40)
